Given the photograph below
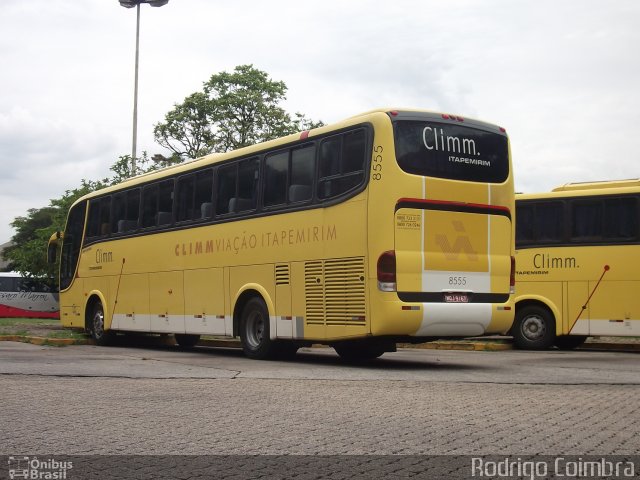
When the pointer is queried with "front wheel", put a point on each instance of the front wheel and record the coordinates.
(534, 328)
(255, 331)
(98, 333)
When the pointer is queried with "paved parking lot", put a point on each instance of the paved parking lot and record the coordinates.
(89, 400)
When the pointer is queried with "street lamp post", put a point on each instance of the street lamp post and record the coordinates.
(131, 4)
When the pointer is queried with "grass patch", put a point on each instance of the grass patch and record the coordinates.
(12, 322)
(75, 334)
(32, 327)
(19, 333)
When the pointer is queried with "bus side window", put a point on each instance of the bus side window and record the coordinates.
(165, 203)
(203, 207)
(247, 197)
(329, 166)
(157, 204)
(276, 174)
(621, 218)
(226, 187)
(184, 198)
(353, 154)
(586, 221)
(342, 160)
(193, 196)
(6, 284)
(302, 171)
(149, 205)
(548, 222)
(98, 224)
(524, 225)
(125, 211)
(93, 222)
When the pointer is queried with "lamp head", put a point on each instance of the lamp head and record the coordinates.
(133, 3)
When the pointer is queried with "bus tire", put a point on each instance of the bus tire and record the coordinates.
(534, 328)
(569, 342)
(98, 333)
(186, 341)
(254, 331)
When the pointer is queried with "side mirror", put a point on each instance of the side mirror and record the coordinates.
(52, 249)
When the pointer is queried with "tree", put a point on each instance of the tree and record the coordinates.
(28, 253)
(186, 130)
(234, 110)
(25, 255)
(122, 167)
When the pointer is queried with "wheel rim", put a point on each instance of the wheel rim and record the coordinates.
(255, 326)
(534, 327)
(98, 323)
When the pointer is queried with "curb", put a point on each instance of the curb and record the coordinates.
(476, 346)
(462, 345)
(231, 343)
(58, 342)
(616, 347)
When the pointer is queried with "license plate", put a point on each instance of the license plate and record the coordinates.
(456, 298)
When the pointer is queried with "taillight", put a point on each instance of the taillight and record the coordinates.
(512, 278)
(387, 272)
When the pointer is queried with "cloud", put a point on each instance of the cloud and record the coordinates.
(561, 77)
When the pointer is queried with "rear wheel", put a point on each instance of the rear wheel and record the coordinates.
(569, 342)
(98, 333)
(534, 328)
(255, 331)
(186, 340)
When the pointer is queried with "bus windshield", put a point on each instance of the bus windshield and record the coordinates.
(451, 151)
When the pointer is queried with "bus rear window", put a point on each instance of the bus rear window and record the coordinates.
(456, 152)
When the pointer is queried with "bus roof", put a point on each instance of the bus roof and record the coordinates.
(631, 182)
(580, 189)
(214, 158)
(9, 274)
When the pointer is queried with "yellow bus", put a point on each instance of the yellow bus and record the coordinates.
(578, 249)
(389, 226)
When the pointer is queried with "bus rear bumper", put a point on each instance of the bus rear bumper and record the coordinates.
(437, 320)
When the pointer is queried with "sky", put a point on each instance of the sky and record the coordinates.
(562, 76)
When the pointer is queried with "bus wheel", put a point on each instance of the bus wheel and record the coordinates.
(186, 340)
(98, 332)
(254, 331)
(534, 328)
(569, 342)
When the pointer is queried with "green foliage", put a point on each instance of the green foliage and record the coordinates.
(28, 254)
(186, 130)
(234, 110)
(123, 168)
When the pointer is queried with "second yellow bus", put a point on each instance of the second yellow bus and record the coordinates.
(578, 264)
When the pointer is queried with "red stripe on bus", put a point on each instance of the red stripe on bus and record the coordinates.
(454, 204)
(7, 311)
